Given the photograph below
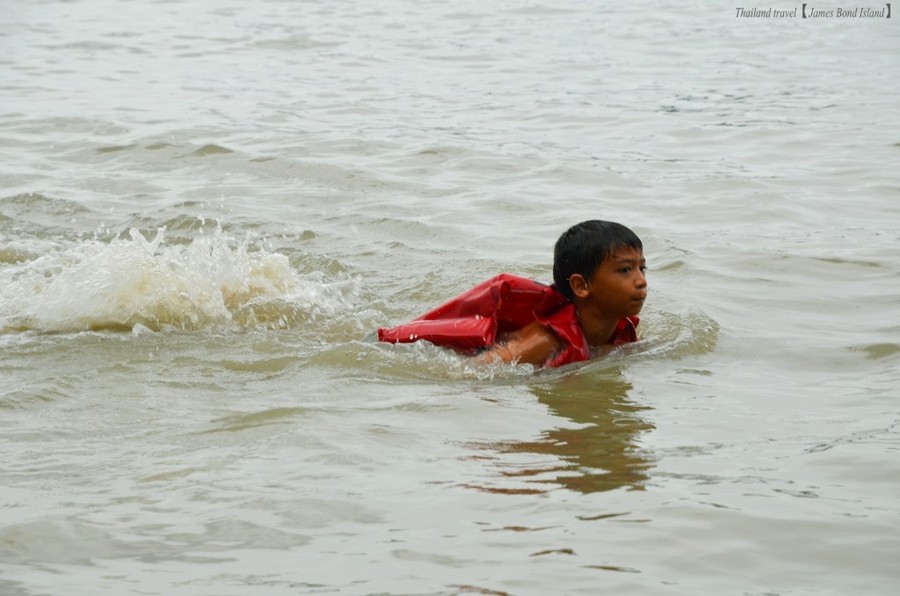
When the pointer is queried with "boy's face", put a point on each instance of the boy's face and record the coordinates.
(618, 286)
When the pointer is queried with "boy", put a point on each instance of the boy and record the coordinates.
(599, 289)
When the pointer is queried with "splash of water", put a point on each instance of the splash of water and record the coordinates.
(132, 283)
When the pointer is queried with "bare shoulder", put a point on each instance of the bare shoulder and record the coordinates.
(533, 344)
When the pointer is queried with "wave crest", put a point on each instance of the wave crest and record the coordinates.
(210, 282)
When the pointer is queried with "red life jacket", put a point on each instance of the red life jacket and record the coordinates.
(505, 303)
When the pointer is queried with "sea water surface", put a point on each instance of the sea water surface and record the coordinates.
(206, 209)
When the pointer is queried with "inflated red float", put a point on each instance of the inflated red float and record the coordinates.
(476, 318)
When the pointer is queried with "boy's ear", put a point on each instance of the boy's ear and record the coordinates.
(579, 285)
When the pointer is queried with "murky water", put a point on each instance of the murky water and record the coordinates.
(207, 209)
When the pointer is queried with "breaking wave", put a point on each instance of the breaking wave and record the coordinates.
(130, 283)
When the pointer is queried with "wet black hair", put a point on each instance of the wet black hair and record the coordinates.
(583, 247)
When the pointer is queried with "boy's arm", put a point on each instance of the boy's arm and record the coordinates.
(533, 344)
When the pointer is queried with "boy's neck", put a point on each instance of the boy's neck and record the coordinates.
(597, 330)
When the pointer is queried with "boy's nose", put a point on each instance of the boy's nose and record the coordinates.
(641, 280)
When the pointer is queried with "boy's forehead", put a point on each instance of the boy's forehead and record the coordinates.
(625, 253)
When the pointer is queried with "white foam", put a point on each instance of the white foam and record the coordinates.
(132, 283)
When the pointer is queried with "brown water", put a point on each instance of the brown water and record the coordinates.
(206, 210)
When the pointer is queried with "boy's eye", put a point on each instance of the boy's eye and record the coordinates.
(629, 269)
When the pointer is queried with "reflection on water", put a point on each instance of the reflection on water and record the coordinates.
(600, 454)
